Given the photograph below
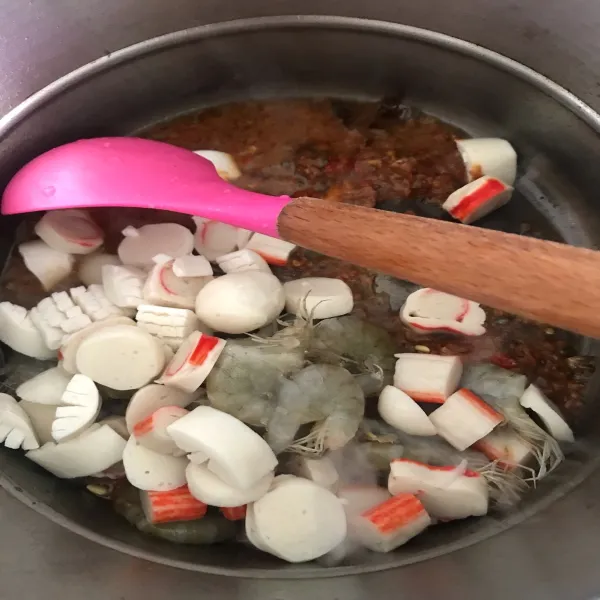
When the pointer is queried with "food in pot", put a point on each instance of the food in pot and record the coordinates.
(269, 389)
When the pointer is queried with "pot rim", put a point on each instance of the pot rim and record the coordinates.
(79, 76)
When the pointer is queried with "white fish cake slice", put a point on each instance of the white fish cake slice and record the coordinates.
(80, 407)
(140, 246)
(205, 486)
(400, 411)
(48, 265)
(19, 333)
(16, 430)
(45, 388)
(94, 451)
(150, 471)
(120, 357)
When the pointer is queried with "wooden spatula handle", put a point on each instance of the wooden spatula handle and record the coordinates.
(545, 281)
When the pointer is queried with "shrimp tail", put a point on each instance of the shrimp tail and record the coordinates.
(506, 486)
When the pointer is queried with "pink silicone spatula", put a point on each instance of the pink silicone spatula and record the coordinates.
(546, 281)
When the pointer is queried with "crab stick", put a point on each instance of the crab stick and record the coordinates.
(140, 246)
(320, 470)
(150, 398)
(192, 362)
(447, 493)
(41, 417)
(556, 425)
(151, 432)
(94, 451)
(391, 523)
(298, 520)
(123, 285)
(273, 250)
(171, 506)
(164, 288)
(319, 297)
(234, 452)
(192, 266)
(18, 332)
(94, 303)
(150, 471)
(506, 447)
(489, 156)
(242, 260)
(240, 302)
(90, 267)
(16, 430)
(213, 238)
(79, 409)
(48, 265)
(234, 513)
(208, 487)
(430, 311)
(477, 199)
(120, 357)
(399, 410)
(171, 325)
(45, 388)
(224, 163)
(68, 351)
(427, 377)
(464, 419)
(72, 231)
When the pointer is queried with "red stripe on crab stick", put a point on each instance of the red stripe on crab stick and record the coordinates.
(234, 513)
(395, 513)
(175, 505)
(486, 192)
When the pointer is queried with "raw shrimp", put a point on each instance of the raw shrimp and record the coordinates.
(379, 455)
(325, 394)
(355, 344)
(210, 529)
(245, 380)
(502, 390)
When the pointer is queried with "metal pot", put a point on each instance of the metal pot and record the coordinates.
(483, 93)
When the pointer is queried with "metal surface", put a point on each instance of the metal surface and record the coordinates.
(465, 572)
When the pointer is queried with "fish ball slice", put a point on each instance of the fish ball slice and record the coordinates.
(320, 297)
(253, 534)
(400, 411)
(72, 231)
(213, 238)
(48, 265)
(120, 357)
(535, 400)
(45, 388)
(427, 377)
(151, 432)
(140, 246)
(207, 487)
(240, 302)
(489, 156)
(150, 471)
(299, 520)
(18, 332)
(68, 351)
(94, 451)
(90, 267)
(236, 453)
(164, 288)
(151, 398)
(224, 163)
(193, 362)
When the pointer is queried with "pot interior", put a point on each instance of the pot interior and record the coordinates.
(481, 93)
